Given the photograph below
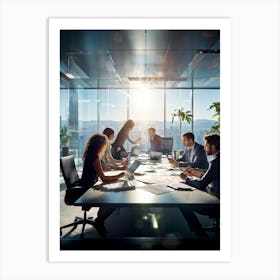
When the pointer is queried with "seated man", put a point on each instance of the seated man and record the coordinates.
(194, 155)
(155, 140)
(208, 181)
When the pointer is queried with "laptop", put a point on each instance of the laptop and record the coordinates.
(131, 169)
(135, 150)
(155, 155)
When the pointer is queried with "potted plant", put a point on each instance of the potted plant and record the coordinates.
(182, 115)
(215, 128)
(64, 140)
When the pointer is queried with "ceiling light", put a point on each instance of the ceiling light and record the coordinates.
(69, 75)
(156, 79)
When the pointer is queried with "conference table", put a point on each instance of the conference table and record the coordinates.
(152, 196)
(154, 184)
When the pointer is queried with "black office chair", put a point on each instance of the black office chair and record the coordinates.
(166, 145)
(73, 192)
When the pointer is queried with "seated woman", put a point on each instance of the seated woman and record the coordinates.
(118, 150)
(108, 162)
(94, 151)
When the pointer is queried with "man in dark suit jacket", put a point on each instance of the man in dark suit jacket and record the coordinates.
(194, 154)
(155, 140)
(208, 181)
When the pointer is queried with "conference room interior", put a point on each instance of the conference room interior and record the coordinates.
(110, 76)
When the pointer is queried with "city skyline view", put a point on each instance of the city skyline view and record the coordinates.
(141, 106)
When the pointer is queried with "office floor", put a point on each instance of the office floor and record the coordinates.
(134, 229)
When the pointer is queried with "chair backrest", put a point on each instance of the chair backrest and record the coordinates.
(166, 145)
(69, 171)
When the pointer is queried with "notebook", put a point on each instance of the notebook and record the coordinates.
(116, 186)
(181, 186)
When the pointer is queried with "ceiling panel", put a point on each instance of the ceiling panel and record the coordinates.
(109, 58)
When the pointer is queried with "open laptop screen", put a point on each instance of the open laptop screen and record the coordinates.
(133, 166)
(155, 155)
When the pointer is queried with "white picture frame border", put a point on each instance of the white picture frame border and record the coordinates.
(57, 24)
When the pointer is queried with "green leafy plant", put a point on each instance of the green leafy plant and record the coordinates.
(215, 128)
(182, 116)
(64, 137)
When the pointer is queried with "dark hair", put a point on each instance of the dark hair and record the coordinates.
(108, 131)
(189, 135)
(213, 139)
(152, 129)
(94, 144)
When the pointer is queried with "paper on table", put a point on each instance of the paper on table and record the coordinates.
(157, 179)
(175, 174)
(148, 179)
(156, 188)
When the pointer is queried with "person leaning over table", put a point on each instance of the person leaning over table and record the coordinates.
(118, 150)
(194, 154)
(92, 169)
(108, 162)
(208, 181)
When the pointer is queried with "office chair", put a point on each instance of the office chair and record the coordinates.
(73, 192)
(166, 145)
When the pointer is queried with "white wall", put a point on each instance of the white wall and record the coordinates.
(24, 144)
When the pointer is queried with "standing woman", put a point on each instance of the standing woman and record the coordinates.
(94, 152)
(118, 150)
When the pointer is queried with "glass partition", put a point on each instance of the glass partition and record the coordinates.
(203, 116)
(175, 99)
(87, 111)
(146, 108)
(112, 109)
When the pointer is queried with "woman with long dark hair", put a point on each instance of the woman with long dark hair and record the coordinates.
(93, 153)
(118, 150)
(108, 162)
